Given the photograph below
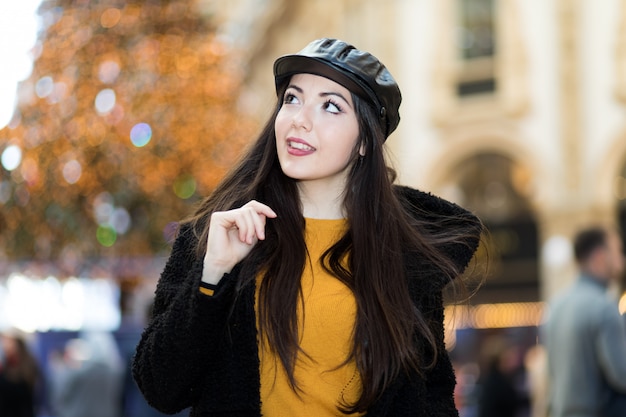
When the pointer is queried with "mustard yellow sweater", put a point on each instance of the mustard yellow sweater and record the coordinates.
(326, 321)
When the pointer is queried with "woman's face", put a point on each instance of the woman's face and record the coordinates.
(316, 131)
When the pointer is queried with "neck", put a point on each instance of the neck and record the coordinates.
(321, 200)
(596, 276)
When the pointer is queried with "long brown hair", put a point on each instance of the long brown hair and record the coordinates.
(379, 236)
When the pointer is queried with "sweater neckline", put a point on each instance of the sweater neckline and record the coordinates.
(325, 224)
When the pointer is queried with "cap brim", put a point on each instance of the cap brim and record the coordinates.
(288, 65)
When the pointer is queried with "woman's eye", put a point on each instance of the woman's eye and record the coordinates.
(290, 98)
(332, 107)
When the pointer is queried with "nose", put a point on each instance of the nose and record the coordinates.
(302, 119)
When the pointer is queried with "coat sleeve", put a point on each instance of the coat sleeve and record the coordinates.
(177, 347)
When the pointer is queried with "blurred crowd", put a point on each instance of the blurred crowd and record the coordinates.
(87, 374)
(507, 380)
(70, 374)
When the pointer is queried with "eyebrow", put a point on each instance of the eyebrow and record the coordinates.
(322, 94)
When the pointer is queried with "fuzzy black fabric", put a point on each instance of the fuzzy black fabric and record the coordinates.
(192, 354)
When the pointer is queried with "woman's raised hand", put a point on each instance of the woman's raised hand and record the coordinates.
(232, 235)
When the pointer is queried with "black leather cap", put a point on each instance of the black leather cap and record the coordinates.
(358, 71)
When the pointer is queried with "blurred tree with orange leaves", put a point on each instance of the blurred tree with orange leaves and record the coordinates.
(128, 118)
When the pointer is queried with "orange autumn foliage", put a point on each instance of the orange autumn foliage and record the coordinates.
(105, 71)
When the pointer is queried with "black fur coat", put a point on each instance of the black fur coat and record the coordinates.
(192, 355)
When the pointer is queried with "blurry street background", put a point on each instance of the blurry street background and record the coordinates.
(128, 113)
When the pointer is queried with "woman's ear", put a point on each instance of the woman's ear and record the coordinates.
(362, 149)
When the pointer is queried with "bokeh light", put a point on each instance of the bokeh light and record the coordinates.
(105, 101)
(496, 316)
(108, 71)
(185, 187)
(103, 208)
(110, 218)
(140, 134)
(44, 87)
(69, 304)
(30, 172)
(106, 235)
(11, 157)
(72, 170)
(110, 17)
(120, 220)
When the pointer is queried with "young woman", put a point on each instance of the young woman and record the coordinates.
(307, 284)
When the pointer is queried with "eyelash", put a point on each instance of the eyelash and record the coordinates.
(289, 97)
(334, 103)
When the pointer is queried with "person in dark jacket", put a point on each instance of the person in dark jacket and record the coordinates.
(499, 395)
(307, 283)
(20, 375)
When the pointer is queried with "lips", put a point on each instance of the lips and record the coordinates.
(299, 147)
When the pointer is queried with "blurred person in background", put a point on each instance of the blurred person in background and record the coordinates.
(535, 362)
(87, 378)
(499, 394)
(308, 284)
(467, 375)
(19, 376)
(585, 335)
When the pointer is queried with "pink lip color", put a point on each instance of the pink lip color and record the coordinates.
(298, 152)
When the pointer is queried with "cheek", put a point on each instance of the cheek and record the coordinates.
(281, 123)
(351, 144)
(342, 156)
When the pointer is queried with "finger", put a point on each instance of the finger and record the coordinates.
(247, 215)
(242, 224)
(262, 209)
(260, 212)
(249, 220)
(259, 225)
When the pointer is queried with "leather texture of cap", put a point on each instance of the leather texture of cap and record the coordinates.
(358, 71)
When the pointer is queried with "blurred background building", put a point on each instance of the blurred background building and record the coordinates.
(515, 109)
